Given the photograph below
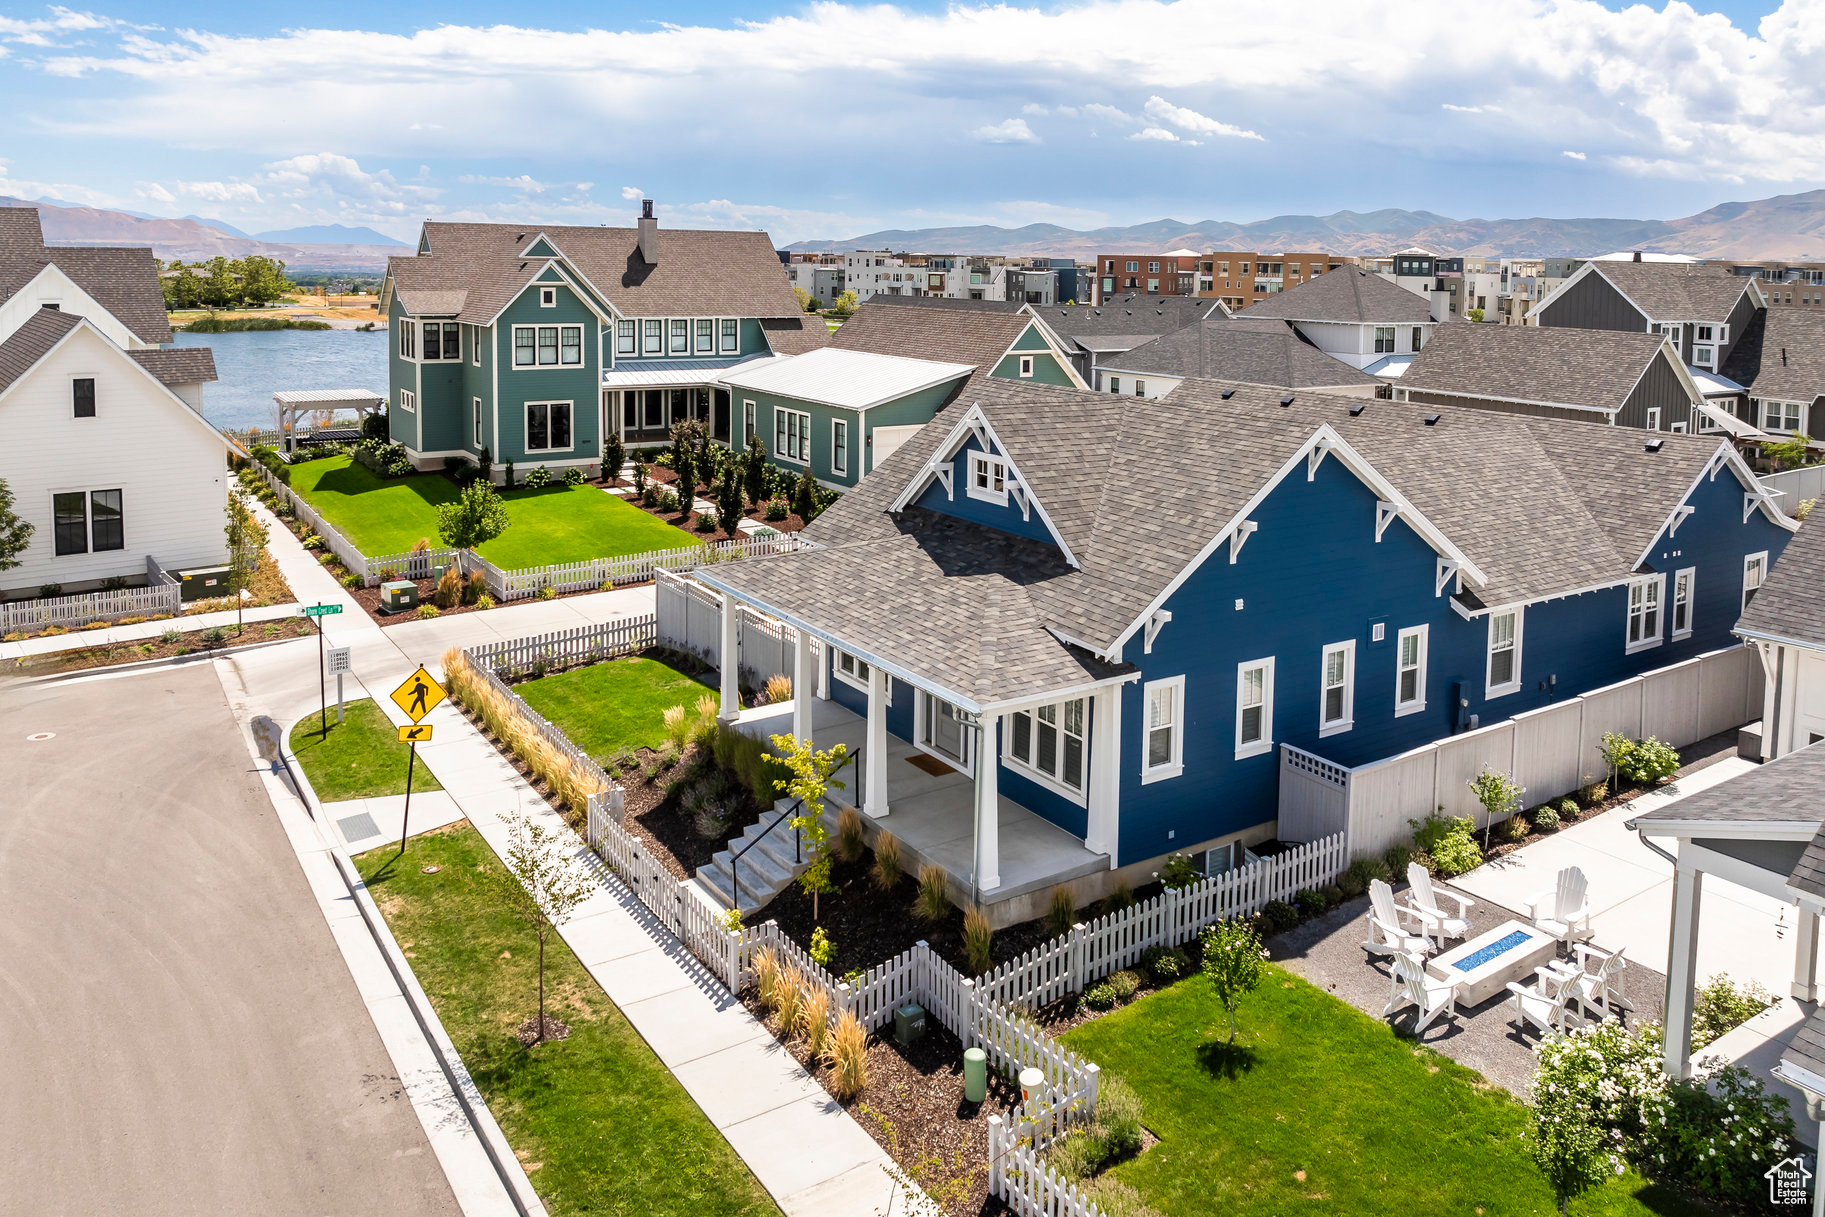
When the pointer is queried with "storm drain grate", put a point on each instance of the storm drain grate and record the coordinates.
(358, 827)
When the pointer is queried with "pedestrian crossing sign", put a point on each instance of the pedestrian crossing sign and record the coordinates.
(418, 695)
(420, 734)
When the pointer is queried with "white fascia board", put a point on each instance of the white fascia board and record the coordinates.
(540, 236)
(1052, 695)
(1777, 639)
(896, 395)
(1725, 456)
(1046, 337)
(588, 297)
(1728, 830)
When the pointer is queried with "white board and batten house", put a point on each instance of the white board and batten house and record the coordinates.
(102, 442)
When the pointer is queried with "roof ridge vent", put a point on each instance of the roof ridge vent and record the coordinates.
(1287, 400)
(1653, 445)
(1432, 419)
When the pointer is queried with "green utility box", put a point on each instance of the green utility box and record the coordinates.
(975, 1075)
(908, 1023)
(398, 596)
(204, 583)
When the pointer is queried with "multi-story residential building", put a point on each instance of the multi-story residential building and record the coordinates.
(1521, 281)
(1801, 284)
(871, 272)
(1240, 278)
(1777, 368)
(1361, 318)
(824, 276)
(1702, 310)
(531, 343)
(103, 444)
(1174, 273)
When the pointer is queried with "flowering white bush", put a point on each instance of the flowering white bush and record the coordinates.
(1718, 1136)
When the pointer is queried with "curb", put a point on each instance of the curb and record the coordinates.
(148, 665)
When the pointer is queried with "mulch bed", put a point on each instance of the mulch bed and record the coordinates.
(190, 642)
(663, 825)
(665, 477)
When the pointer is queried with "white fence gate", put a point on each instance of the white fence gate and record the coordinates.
(690, 619)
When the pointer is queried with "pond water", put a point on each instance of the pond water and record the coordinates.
(253, 366)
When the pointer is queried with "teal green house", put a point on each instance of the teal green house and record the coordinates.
(533, 344)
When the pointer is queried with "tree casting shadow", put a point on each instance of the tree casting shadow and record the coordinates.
(1222, 1059)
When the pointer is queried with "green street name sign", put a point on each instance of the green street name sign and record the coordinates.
(322, 610)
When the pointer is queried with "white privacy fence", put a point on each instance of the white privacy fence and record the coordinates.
(690, 620)
(162, 594)
(1550, 752)
(1796, 485)
(566, 648)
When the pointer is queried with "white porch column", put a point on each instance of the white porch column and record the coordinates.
(803, 679)
(729, 660)
(1102, 834)
(874, 763)
(988, 803)
(1806, 958)
(1682, 966)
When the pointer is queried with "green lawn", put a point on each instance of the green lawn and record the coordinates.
(361, 758)
(551, 526)
(601, 1126)
(1375, 1123)
(609, 706)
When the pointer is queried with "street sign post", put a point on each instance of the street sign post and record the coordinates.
(339, 664)
(319, 612)
(417, 696)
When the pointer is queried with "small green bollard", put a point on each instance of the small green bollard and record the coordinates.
(975, 1075)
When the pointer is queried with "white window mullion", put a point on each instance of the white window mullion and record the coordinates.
(1254, 707)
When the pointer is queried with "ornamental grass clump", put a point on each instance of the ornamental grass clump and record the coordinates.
(788, 997)
(933, 902)
(777, 689)
(1061, 911)
(766, 977)
(846, 1052)
(888, 869)
(848, 844)
(814, 1019)
(570, 780)
(978, 940)
(677, 726)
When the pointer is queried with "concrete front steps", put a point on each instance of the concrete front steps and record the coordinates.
(766, 869)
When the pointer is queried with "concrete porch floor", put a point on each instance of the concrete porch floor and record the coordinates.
(934, 816)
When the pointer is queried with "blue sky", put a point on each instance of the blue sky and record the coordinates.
(833, 119)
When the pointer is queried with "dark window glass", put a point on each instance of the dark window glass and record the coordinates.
(433, 349)
(536, 429)
(106, 528)
(548, 344)
(82, 392)
(1022, 746)
(72, 524)
(560, 426)
(453, 343)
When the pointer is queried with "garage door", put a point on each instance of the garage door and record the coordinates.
(886, 442)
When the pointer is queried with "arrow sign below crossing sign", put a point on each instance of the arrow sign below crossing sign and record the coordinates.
(421, 734)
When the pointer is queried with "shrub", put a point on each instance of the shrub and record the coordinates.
(704, 522)
(614, 455)
(474, 587)
(1650, 762)
(1427, 835)
(932, 902)
(887, 869)
(1310, 902)
(351, 579)
(848, 845)
(668, 502)
(710, 822)
(1121, 896)
(215, 636)
(846, 1052)
(49, 591)
(1179, 871)
(114, 583)
(573, 476)
(1593, 793)
(677, 729)
(1079, 1154)
(1118, 1111)
(978, 940)
(1545, 818)
(1333, 893)
(449, 590)
(484, 601)
(804, 497)
(821, 950)
(507, 476)
(1720, 1006)
(426, 611)
(1367, 869)
(1100, 996)
(1125, 983)
(777, 510)
(1279, 915)
(1351, 886)
(1165, 964)
(1455, 855)
(1568, 810)
(1061, 911)
(1513, 828)
(1399, 858)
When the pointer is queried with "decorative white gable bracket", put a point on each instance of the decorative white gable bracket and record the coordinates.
(1316, 456)
(1751, 501)
(1021, 497)
(1385, 514)
(943, 474)
(1679, 517)
(1448, 569)
(1155, 624)
(1239, 538)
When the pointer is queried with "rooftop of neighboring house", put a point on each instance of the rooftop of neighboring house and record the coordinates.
(1347, 295)
(984, 612)
(854, 380)
(1550, 366)
(1257, 351)
(1121, 323)
(1785, 790)
(32, 341)
(1675, 291)
(123, 280)
(1791, 602)
(178, 365)
(923, 327)
(795, 335)
(1780, 354)
(472, 271)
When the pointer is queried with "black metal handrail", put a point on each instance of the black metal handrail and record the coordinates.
(798, 836)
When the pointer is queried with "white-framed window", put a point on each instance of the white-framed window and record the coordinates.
(1705, 356)
(1653, 418)
(731, 335)
(855, 672)
(408, 401)
(748, 421)
(1784, 417)
(1384, 340)
(1419, 337)
(1644, 613)
(652, 336)
(1677, 428)
(82, 397)
(476, 410)
(681, 337)
(1254, 707)
(1115, 384)
(1337, 688)
(1674, 333)
(627, 337)
(1410, 647)
(1755, 570)
(1502, 670)
(792, 435)
(988, 478)
(706, 336)
(839, 445)
(570, 345)
(548, 426)
(475, 344)
(1163, 747)
(408, 340)
(547, 346)
(1140, 388)
(1048, 743)
(1704, 333)
(443, 341)
(548, 297)
(1684, 580)
(943, 733)
(1026, 365)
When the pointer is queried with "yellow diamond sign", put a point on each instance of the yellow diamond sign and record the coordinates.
(419, 695)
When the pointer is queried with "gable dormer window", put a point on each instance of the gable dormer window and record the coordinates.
(988, 478)
(548, 297)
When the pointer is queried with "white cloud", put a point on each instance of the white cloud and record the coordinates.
(1576, 156)
(1156, 133)
(157, 193)
(1108, 113)
(221, 192)
(1010, 131)
(1161, 110)
(524, 181)
(1470, 109)
(632, 194)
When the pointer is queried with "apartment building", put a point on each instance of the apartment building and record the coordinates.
(1795, 283)
(824, 276)
(872, 273)
(1241, 278)
(1174, 273)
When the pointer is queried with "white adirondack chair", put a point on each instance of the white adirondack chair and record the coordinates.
(1414, 986)
(1565, 911)
(1423, 898)
(1548, 1005)
(1594, 980)
(1388, 934)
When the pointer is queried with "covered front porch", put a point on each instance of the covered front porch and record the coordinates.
(642, 398)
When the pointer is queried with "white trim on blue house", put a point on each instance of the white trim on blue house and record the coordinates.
(1491, 691)
(1725, 456)
(1416, 704)
(1264, 741)
(1173, 767)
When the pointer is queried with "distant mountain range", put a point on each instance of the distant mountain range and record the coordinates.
(1787, 226)
(331, 247)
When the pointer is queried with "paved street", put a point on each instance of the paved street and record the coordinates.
(181, 1033)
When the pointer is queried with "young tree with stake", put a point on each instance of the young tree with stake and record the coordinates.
(544, 882)
(1233, 964)
(476, 518)
(809, 782)
(246, 542)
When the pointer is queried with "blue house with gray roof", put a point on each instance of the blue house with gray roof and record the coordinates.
(1071, 638)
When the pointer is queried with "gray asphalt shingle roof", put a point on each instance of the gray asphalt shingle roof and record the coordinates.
(1786, 789)
(1781, 354)
(1676, 291)
(1254, 351)
(1121, 322)
(29, 343)
(178, 365)
(1348, 295)
(1552, 365)
(1791, 602)
(895, 325)
(1807, 1047)
(123, 280)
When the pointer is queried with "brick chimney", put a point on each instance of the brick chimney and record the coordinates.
(649, 233)
(1637, 257)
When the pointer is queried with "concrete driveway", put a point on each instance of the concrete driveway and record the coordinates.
(181, 1034)
(1742, 933)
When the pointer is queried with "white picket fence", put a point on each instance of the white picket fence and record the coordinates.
(418, 564)
(549, 730)
(507, 585)
(567, 648)
(1018, 1176)
(341, 546)
(162, 594)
